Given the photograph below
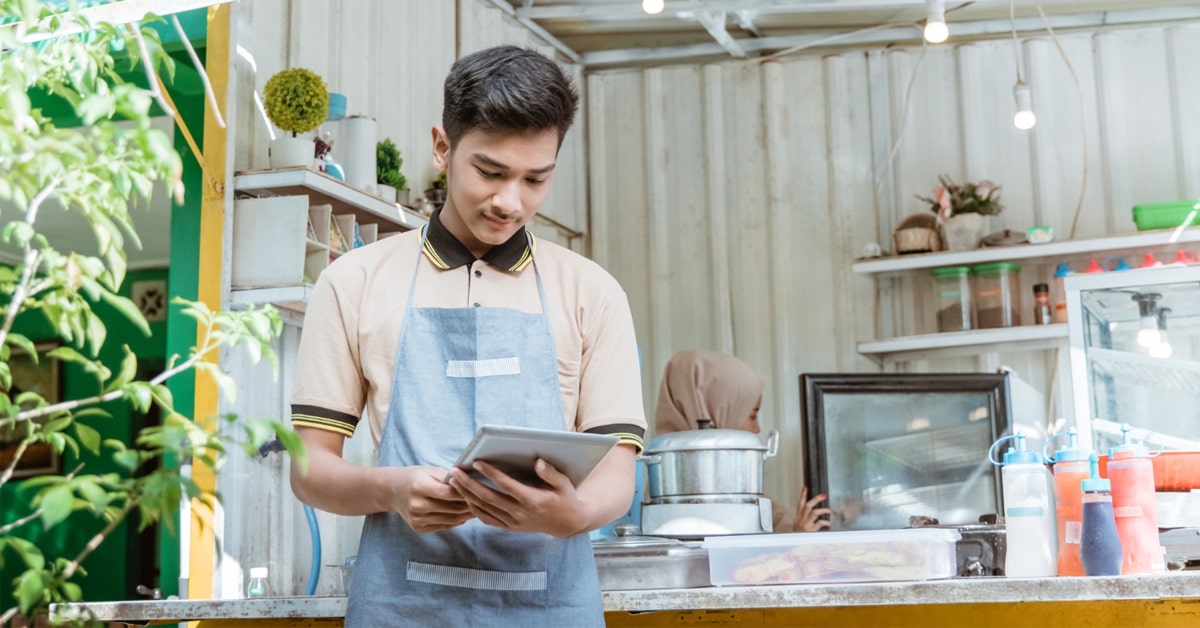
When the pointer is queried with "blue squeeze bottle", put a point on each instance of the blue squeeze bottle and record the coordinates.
(1100, 546)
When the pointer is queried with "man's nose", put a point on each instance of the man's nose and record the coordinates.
(507, 197)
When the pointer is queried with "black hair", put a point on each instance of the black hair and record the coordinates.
(507, 88)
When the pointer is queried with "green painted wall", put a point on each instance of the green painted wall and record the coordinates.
(112, 567)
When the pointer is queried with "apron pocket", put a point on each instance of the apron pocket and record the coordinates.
(483, 368)
(477, 578)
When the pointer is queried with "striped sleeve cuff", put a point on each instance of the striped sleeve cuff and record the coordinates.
(324, 419)
(628, 433)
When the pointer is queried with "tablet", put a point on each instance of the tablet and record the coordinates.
(515, 450)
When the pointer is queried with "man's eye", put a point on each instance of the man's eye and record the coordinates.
(486, 174)
(535, 181)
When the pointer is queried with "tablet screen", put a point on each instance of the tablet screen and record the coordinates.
(515, 451)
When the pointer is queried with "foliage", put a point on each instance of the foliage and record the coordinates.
(439, 182)
(296, 100)
(951, 199)
(387, 165)
(96, 171)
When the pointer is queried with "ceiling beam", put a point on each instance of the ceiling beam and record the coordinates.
(893, 33)
(536, 29)
(714, 23)
(745, 19)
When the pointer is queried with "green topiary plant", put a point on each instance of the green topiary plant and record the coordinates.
(387, 165)
(297, 100)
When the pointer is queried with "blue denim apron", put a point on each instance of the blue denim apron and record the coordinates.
(457, 369)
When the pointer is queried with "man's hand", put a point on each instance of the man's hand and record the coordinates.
(427, 503)
(554, 509)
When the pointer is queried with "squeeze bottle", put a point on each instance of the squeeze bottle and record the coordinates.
(1100, 549)
(1028, 512)
(1060, 292)
(1070, 469)
(1132, 476)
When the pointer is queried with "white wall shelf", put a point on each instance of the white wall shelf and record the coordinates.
(971, 342)
(321, 188)
(1051, 251)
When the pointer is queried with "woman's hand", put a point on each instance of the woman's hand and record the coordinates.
(808, 516)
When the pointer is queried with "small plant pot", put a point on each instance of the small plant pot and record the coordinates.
(386, 192)
(289, 152)
(402, 197)
(964, 231)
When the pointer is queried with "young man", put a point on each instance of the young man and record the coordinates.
(382, 329)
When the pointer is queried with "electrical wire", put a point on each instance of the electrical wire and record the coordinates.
(1082, 115)
(1012, 22)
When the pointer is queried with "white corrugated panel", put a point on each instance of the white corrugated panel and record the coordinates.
(730, 199)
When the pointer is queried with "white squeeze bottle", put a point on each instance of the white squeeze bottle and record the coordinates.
(1029, 515)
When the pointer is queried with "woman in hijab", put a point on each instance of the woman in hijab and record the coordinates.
(717, 386)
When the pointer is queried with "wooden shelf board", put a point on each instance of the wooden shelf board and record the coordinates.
(965, 342)
(321, 189)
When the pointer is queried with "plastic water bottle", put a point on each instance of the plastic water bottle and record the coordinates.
(1070, 469)
(257, 587)
(1028, 512)
(1100, 548)
(1132, 476)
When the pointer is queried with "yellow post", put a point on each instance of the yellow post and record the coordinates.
(202, 545)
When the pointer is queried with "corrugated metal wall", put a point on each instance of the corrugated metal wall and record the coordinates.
(390, 59)
(730, 199)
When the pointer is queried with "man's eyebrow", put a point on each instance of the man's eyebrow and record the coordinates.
(484, 159)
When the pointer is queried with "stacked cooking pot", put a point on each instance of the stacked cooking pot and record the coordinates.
(706, 482)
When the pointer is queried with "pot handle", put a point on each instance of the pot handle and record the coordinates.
(772, 444)
(649, 459)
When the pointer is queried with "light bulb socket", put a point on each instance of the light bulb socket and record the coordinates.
(935, 10)
(1147, 303)
(1023, 95)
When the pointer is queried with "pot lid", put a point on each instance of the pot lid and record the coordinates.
(705, 438)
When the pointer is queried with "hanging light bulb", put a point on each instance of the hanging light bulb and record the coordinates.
(653, 7)
(1148, 324)
(936, 31)
(1024, 118)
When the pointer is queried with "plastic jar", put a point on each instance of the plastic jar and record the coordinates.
(955, 305)
(997, 299)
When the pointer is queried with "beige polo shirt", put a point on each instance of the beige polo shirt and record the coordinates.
(348, 347)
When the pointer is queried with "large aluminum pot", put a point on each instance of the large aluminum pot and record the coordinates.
(706, 462)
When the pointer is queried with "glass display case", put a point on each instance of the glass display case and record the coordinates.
(1135, 356)
(886, 447)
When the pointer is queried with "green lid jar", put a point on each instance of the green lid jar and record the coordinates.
(953, 297)
(997, 294)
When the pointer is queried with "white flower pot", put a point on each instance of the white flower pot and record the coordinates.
(289, 152)
(402, 197)
(964, 231)
(386, 192)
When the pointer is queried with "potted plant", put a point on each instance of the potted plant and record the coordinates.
(963, 210)
(437, 189)
(297, 101)
(387, 172)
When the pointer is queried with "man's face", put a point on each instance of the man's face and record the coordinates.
(496, 183)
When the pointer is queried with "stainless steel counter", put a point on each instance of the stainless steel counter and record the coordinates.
(1173, 585)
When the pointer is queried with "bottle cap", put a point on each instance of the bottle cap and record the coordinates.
(1062, 270)
(1094, 483)
(258, 572)
(1071, 451)
(1149, 261)
(1020, 454)
(1040, 287)
(1127, 448)
(1120, 265)
(1094, 267)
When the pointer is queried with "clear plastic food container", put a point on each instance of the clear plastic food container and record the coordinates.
(997, 295)
(954, 298)
(815, 557)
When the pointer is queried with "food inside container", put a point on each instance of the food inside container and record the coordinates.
(852, 556)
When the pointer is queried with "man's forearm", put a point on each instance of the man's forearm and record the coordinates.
(608, 491)
(335, 485)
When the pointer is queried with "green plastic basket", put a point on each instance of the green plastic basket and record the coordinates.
(1166, 215)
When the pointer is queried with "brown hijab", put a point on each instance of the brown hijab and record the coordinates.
(706, 385)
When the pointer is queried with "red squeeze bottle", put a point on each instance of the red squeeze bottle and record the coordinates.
(1132, 475)
(1070, 469)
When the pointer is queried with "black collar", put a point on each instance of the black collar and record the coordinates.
(446, 252)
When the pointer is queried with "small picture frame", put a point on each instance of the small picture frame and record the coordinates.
(44, 377)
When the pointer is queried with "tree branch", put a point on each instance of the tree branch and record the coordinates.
(4, 477)
(6, 528)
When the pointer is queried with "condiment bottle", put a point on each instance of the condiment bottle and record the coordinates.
(1100, 548)
(1132, 476)
(1070, 468)
(1041, 305)
(257, 587)
(1060, 293)
(1028, 513)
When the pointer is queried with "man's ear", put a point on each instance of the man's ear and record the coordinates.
(441, 149)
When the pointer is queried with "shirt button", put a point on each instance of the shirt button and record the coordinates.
(479, 273)
(476, 305)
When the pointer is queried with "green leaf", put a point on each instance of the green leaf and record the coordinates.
(128, 371)
(17, 340)
(29, 553)
(140, 395)
(56, 505)
(128, 310)
(164, 395)
(114, 444)
(31, 590)
(127, 458)
(72, 592)
(88, 436)
(18, 233)
(94, 495)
